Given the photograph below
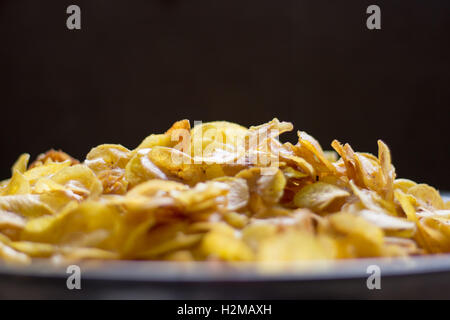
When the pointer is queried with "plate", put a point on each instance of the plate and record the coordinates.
(423, 277)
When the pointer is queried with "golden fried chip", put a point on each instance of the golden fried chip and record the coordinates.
(170, 138)
(393, 226)
(296, 246)
(309, 149)
(238, 193)
(52, 156)
(45, 171)
(224, 246)
(217, 142)
(427, 195)
(27, 205)
(403, 184)
(11, 220)
(362, 238)
(8, 254)
(141, 169)
(79, 180)
(34, 249)
(18, 184)
(319, 195)
(74, 223)
(154, 187)
(108, 161)
(21, 164)
(218, 191)
(176, 164)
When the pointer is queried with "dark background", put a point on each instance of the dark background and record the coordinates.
(137, 66)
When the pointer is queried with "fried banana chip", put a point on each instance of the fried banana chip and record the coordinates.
(218, 191)
(427, 195)
(318, 196)
(108, 161)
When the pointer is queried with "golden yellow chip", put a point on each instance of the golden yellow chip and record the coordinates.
(319, 195)
(428, 195)
(219, 191)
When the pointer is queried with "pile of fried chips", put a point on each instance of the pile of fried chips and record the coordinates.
(205, 195)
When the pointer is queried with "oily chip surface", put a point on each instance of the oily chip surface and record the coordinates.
(218, 191)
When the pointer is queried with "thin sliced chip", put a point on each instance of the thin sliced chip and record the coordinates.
(180, 241)
(427, 195)
(108, 161)
(10, 255)
(169, 139)
(296, 246)
(45, 171)
(34, 249)
(319, 195)
(407, 203)
(156, 187)
(219, 245)
(202, 197)
(80, 181)
(403, 184)
(217, 141)
(141, 169)
(21, 164)
(17, 185)
(52, 156)
(310, 149)
(27, 205)
(363, 238)
(176, 164)
(238, 193)
(219, 191)
(11, 220)
(392, 226)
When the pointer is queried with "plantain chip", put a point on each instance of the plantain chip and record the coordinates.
(18, 184)
(217, 142)
(108, 161)
(403, 184)
(45, 171)
(220, 192)
(238, 193)
(176, 164)
(318, 196)
(170, 138)
(21, 163)
(427, 195)
(296, 246)
(141, 169)
(393, 226)
(309, 149)
(361, 238)
(11, 220)
(26, 205)
(79, 181)
(8, 254)
(225, 246)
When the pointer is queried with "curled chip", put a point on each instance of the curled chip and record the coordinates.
(319, 195)
(218, 191)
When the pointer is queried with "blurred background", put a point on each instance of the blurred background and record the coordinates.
(137, 66)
